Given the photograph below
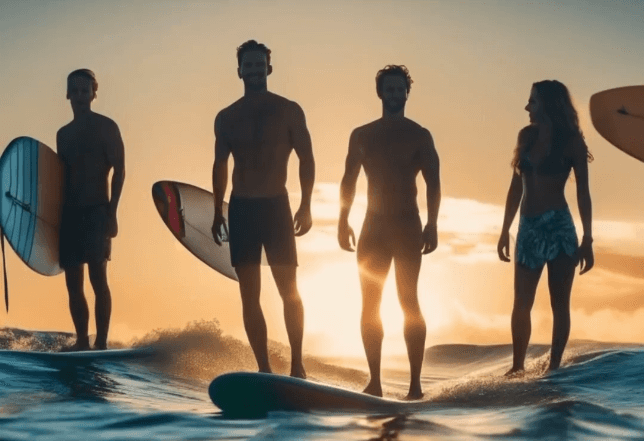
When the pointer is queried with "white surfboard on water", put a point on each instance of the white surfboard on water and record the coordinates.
(246, 394)
(108, 354)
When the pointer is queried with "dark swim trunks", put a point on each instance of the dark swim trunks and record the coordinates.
(83, 235)
(257, 222)
(385, 237)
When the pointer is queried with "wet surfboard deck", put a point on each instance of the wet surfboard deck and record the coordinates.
(246, 394)
(104, 355)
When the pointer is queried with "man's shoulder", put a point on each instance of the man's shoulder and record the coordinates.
(228, 111)
(64, 130)
(365, 129)
(415, 127)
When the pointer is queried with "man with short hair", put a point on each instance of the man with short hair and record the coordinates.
(260, 130)
(392, 150)
(89, 147)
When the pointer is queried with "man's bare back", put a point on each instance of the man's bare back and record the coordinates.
(259, 133)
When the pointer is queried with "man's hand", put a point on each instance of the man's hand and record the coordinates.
(430, 238)
(302, 221)
(346, 238)
(586, 257)
(217, 225)
(503, 248)
(112, 225)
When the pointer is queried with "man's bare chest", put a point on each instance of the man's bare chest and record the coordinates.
(390, 153)
(84, 149)
(255, 127)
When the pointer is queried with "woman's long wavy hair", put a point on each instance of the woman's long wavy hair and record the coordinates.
(558, 106)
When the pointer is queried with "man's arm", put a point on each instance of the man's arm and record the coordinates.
(352, 167)
(219, 177)
(220, 168)
(60, 151)
(353, 164)
(301, 142)
(430, 169)
(116, 156)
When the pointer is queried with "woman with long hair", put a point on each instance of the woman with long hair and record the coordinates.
(547, 149)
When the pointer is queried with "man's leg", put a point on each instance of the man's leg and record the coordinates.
(407, 271)
(249, 286)
(103, 304)
(285, 279)
(77, 306)
(373, 272)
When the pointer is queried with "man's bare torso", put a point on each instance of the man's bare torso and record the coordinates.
(391, 159)
(257, 131)
(82, 146)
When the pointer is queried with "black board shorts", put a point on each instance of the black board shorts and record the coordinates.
(83, 235)
(257, 222)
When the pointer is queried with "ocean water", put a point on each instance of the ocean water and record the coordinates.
(597, 395)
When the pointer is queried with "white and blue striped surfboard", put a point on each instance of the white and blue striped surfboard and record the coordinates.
(31, 202)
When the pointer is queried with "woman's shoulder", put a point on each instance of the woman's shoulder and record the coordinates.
(528, 133)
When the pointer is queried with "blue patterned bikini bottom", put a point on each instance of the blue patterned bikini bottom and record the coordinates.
(542, 238)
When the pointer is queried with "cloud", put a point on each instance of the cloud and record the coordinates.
(466, 293)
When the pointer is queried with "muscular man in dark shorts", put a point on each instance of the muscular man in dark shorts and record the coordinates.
(392, 150)
(89, 146)
(260, 130)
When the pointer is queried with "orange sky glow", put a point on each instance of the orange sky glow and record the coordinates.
(165, 70)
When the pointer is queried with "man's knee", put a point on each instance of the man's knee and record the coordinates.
(413, 314)
(98, 277)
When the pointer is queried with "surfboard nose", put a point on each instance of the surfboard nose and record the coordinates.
(236, 394)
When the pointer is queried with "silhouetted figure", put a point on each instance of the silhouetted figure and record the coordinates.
(89, 146)
(260, 130)
(546, 151)
(392, 150)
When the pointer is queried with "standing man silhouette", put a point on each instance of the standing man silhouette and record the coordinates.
(392, 150)
(260, 130)
(89, 147)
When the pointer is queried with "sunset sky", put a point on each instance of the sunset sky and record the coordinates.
(165, 68)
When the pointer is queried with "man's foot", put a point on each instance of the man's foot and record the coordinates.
(99, 347)
(298, 372)
(415, 393)
(78, 346)
(514, 372)
(373, 388)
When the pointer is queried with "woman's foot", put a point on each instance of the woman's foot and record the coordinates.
(514, 372)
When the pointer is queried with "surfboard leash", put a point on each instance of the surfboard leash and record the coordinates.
(4, 271)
